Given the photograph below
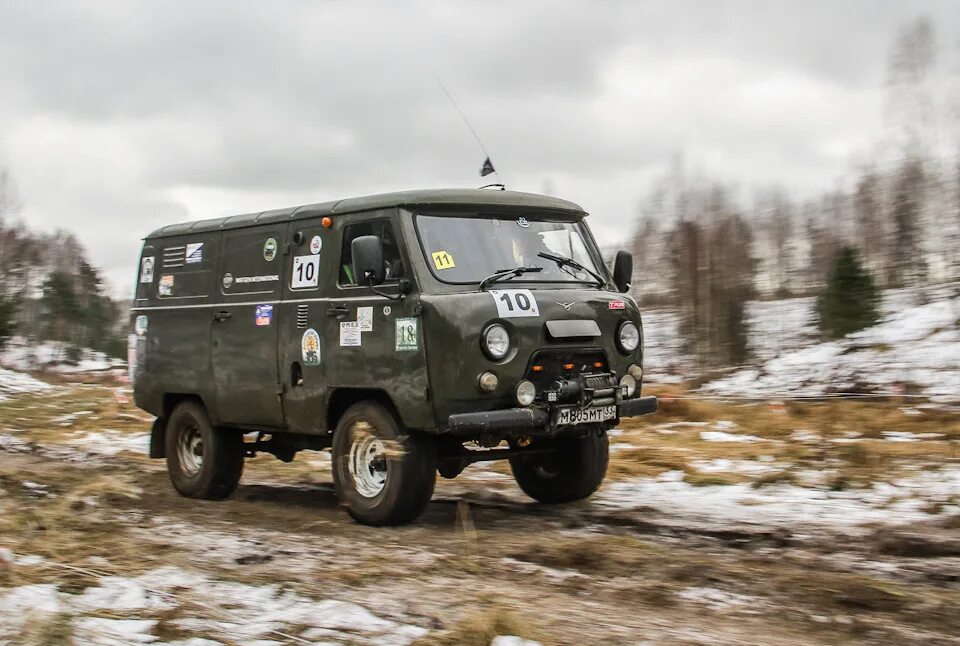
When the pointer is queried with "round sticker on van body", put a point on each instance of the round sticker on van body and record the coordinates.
(315, 244)
(310, 348)
(270, 249)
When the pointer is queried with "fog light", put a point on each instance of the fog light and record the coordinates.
(628, 382)
(488, 382)
(526, 392)
(635, 371)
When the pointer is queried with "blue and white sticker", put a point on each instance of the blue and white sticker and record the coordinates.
(194, 253)
(264, 315)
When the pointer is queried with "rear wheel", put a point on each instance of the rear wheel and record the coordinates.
(202, 461)
(571, 472)
(383, 475)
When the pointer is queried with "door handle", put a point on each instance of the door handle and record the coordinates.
(222, 316)
(338, 310)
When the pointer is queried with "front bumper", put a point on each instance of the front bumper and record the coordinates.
(536, 421)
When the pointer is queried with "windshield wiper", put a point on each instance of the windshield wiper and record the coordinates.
(507, 274)
(563, 261)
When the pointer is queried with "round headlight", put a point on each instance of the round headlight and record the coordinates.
(496, 341)
(526, 392)
(628, 337)
(629, 383)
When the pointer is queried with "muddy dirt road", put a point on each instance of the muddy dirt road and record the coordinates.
(682, 546)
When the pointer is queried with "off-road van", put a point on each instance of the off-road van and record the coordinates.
(410, 333)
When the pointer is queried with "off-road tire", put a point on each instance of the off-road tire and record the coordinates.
(222, 454)
(411, 463)
(572, 472)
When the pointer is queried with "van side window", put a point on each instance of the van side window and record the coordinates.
(392, 260)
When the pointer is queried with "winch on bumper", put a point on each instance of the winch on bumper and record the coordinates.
(582, 395)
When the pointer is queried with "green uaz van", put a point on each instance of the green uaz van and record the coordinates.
(409, 333)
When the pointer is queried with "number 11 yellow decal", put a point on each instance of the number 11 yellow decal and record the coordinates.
(442, 260)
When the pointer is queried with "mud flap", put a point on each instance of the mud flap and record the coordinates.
(157, 438)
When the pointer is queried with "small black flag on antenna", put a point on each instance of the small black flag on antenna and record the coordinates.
(487, 168)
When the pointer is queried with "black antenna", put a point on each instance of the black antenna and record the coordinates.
(469, 127)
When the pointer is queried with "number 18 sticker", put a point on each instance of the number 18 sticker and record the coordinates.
(306, 272)
(514, 303)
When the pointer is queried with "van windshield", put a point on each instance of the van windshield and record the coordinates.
(467, 250)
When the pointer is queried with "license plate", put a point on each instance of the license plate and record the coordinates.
(585, 415)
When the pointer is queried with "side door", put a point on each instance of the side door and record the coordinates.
(310, 270)
(375, 342)
(244, 323)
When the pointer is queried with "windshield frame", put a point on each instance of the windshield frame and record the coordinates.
(512, 214)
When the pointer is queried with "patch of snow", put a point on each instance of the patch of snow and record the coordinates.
(513, 640)
(900, 436)
(110, 442)
(110, 632)
(722, 436)
(723, 465)
(785, 505)
(803, 435)
(716, 598)
(912, 345)
(14, 383)
(21, 353)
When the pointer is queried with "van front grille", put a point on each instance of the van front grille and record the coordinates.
(303, 312)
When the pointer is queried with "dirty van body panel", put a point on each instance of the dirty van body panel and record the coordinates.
(309, 265)
(458, 320)
(174, 350)
(243, 328)
(391, 355)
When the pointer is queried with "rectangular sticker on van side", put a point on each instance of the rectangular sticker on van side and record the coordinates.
(146, 269)
(194, 253)
(306, 271)
(408, 337)
(165, 286)
(515, 303)
(264, 315)
(350, 334)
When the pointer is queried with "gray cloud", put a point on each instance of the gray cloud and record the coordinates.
(121, 116)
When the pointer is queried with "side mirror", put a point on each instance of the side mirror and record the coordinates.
(622, 270)
(367, 254)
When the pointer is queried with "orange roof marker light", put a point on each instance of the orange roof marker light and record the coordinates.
(327, 222)
(537, 368)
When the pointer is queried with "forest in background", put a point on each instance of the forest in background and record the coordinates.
(49, 290)
(699, 248)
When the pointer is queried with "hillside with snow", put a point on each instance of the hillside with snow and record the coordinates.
(914, 349)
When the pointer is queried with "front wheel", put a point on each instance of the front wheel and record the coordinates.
(382, 474)
(573, 471)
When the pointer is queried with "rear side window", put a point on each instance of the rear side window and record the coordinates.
(250, 263)
(392, 259)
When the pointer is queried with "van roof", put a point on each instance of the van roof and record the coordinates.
(426, 197)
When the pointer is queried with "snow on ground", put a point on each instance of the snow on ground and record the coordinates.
(916, 343)
(786, 505)
(21, 353)
(919, 345)
(14, 383)
(194, 603)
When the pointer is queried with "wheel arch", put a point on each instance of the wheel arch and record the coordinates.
(158, 431)
(343, 398)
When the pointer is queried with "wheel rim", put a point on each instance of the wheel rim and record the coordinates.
(368, 465)
(190, 450)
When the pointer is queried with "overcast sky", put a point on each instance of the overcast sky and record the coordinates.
(119, 117)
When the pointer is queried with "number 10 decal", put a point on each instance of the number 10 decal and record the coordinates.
(306, 271)
(514, 303)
